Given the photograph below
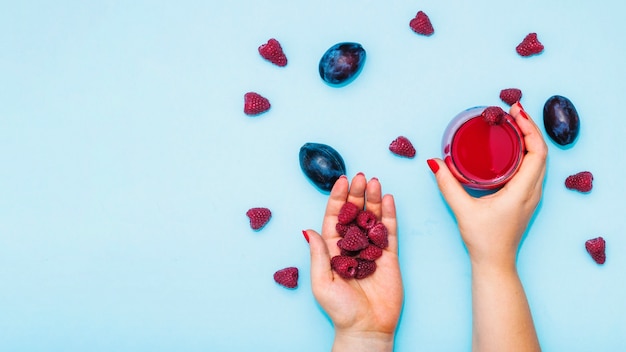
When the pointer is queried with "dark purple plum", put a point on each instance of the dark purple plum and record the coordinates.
(342, 63)
(321, 164)
(561, 120)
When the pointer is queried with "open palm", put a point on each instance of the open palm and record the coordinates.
(369, 306)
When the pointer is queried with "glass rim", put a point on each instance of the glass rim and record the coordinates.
(448, 141)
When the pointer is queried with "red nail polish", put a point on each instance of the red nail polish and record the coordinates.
(306, 235)
(522, 111)
(524, 114)
(432, 164)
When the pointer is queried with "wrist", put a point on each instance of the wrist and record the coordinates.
(496, 263)
(493, 267)
(502, 261)
(364, 341)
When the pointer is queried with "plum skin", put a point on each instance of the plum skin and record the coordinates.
(342, 63)
(561, 120)
(322, 164)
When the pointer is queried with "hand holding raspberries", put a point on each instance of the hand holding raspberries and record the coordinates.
(355, 279)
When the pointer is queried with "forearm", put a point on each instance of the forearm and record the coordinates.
(501, 316)
(363, 342)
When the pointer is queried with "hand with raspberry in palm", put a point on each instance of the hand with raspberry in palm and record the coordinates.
(364, 312)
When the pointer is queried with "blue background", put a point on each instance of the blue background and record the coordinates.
(127, 166)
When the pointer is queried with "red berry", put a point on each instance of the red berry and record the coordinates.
(258, 217)
(371, 252)
(581, 182)
(529, 46)
(596, 248)
(344, 266)
(402, 146)
(494, 115)
(273, 52)
(342, 229)
(346, 252)
(364, 268)
(420, 24)
(354, 240)
(366, 219)
(255, 104)
(347, 213)
(364, 238)
(510, 95)
(378, 235)
(287, 277)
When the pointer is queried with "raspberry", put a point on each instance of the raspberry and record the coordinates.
(364, 268)
(347, 213)
(371, 252)
(420, 24)
(273, 52)
(354, 240)
(366, 219)
(344, 266)
(287, 277)
(402, 146)
(510, 95)
(494, 115)
(255, 104)
(258, 217)
(581, 182)
(378, 235)
(346, 252)
(529, 46)
(342, 229)
(596, 248)
(364, 238)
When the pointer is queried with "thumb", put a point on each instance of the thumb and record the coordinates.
(451, 189)
(321, 273)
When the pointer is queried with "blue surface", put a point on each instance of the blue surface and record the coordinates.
(128, 166)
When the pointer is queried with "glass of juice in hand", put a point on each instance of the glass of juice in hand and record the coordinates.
(482, 155)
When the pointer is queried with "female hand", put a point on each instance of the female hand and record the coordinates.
(364, 312)
(492, 226)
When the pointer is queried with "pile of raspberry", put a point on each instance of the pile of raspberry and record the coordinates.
(363, 239)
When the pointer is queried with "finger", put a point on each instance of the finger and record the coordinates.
(336, 199)
(533, 137)
(389, 219)
(321, 272)
(373, 197)
(357, 190)
(453, 192)
(532, 170)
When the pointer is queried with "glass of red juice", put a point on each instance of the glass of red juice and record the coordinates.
(480, 155)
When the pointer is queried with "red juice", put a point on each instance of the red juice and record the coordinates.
(480, 155)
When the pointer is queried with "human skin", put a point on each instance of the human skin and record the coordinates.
(491, 228)
(364, 312)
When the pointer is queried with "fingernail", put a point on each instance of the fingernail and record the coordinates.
(360, 173)
(374, 178)
(432, 164)
(306, 235)
(343, 176)
(522, 111)
(524, 114)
